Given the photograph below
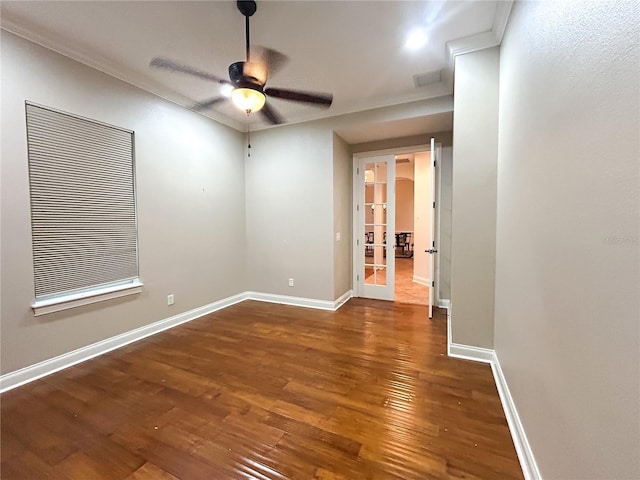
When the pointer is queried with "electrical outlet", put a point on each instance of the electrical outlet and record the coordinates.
(171, 299)
(338, 236)
(291, 282)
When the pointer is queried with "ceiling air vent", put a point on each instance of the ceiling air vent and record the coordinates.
(428, 78)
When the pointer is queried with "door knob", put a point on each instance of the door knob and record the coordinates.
(431, 250)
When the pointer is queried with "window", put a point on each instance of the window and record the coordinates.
(83, 211)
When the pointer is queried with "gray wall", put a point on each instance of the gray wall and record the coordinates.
(212, 222)
(201, 237)
(190, 195)
(567, 268)
(291, 217)
(342, 214)
(473, 228)
(289, 200)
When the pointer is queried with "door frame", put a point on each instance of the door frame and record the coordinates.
(423, 147)
(381, 292)
(437, 300)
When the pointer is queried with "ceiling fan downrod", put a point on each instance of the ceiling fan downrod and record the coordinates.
(247, 80)
(247, 8)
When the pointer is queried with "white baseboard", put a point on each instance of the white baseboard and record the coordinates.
(301, 301)
(287, 300)
(520, 441)
(443, 303)
(28, 374)
(467, 352)
(523, 449)
(421, 280)
(342, 299)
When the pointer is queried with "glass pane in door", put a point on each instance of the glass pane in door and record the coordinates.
(375, 223)
(374, 263)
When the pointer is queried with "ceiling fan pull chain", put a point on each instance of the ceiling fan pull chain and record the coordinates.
(248, 135)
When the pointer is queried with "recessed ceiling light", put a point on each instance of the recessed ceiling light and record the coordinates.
(416, 39)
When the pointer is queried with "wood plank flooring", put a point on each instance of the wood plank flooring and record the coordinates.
(406, 290)
(266, 391)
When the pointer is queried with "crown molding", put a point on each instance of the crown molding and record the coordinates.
(472, 43)
(503, 10)
(51, 41)
(97, 62)
(479, 41)
(91, 59)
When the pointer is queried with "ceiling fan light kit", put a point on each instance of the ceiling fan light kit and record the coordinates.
(248, 99)
(248, 78)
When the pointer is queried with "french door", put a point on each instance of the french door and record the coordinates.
(374, 228)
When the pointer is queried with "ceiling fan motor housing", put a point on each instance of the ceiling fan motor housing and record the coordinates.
(236, 72)
(240, 80)
(249, 78)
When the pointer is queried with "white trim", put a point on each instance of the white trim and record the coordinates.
(295, 301)
(521, 443)
(33, 372)
(356, 257)
(75, 52)
(478, 41)
(443, 303)
(342, 299)
(449, 336)
(472, 43)
(467, 352)
(423, 147)
(523, 449)
(360, 288)
(28, 374)
(436, 257)
(64, 302)
(503, 10)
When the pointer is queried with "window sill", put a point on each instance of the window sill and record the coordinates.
(64, 302)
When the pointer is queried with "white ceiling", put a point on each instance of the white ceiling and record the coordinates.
(354, 49)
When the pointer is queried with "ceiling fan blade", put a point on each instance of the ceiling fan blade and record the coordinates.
(264, 62)
(315, 98)
(166, 64)
(208, 103)
(271, 115)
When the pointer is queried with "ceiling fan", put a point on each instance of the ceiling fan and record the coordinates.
(248, 78)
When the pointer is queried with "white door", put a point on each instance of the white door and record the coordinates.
(432, 223)
(374, 232)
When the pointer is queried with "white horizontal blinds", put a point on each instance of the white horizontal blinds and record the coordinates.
(83, 213)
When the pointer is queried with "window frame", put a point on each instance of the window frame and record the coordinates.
(64, 300)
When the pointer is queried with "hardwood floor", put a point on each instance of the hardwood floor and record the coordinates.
(267, 391)
(405, 289)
